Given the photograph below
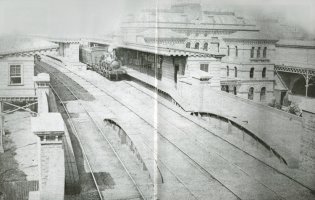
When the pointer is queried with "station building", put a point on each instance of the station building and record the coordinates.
(186, 43)
(243, 54)
(17, 65)
(17, 82)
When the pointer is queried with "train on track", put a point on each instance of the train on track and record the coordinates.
(103, 62)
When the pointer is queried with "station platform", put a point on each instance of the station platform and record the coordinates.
(280, 130)
(225, 162)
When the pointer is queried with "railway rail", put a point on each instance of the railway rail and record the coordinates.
(203, 170)
(81, 144)
(74, 129)
(236, 147)
(192, 160)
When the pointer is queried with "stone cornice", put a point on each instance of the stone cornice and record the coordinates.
(295, 46)
(246, 63)
(251, 41)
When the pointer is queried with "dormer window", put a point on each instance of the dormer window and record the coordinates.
(188, 45)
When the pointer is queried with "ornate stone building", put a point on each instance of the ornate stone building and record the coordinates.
(242, 53)
(247, 69)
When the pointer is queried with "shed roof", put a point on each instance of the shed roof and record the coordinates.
(18, 44)
(163, 33)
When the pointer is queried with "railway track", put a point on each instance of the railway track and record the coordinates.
(179, 149)
(75, 130)
(200, 143)
(207, 130)
(198, 166)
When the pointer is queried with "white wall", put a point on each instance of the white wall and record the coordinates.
(70, 51)
(26, 89)
(193, 69)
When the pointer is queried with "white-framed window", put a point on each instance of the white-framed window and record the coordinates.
(15, 74)
(204, 67)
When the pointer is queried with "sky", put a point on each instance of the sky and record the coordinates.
(94, 17)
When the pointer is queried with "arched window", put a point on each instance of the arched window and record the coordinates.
(251, 93)
(236, 51)
(188, 45)
(251, 73)
(263, 94)
(197, 45)
(252, 52)
(263, 74)
(227, 71)
(228, 50)
(265, 52)
(235, 72)
(235, 90)
(205, 46)
(258, 52)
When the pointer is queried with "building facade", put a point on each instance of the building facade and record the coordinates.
(243, 56)
(248, 68)
(17, 65)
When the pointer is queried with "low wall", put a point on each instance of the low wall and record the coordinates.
(267, 124)
(141, 157)
(50, 151)
(43, 106)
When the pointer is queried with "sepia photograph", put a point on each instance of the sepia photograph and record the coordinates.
(157, 100)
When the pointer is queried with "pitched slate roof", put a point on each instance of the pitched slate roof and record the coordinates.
(19, 44)
(163, 33)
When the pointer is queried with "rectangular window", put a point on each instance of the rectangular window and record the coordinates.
(15, 74)
(204, 67)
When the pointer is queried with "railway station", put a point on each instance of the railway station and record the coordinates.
(202, 105)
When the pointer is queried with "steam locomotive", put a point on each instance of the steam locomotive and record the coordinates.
(100, 60)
